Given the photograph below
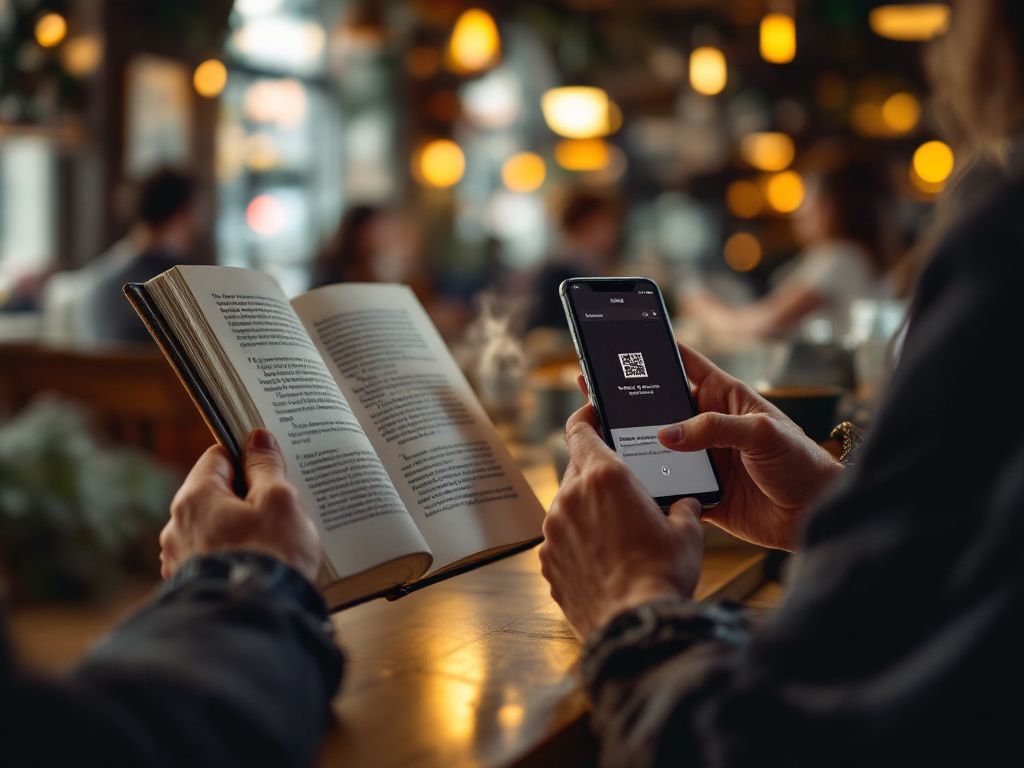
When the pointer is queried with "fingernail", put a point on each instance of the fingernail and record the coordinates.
(262, 440)
(671, 435)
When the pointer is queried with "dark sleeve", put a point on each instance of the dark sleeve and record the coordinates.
(899, 642)
(233, 663)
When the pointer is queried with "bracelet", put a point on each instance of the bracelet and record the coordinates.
(850, 437)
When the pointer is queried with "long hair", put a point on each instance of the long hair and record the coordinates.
(977, 73)
(341, 259)
(859, 197)
(977, 76)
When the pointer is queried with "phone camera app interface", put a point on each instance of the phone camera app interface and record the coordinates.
(635, 371)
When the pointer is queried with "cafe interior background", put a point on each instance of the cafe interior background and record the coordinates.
(470, 127)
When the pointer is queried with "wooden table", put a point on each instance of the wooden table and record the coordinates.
(475, 671)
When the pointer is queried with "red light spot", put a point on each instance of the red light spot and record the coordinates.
(265, 216)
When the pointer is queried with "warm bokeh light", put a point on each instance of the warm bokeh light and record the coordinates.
(82, 55)
(614, 117)
(475, 43)
(926, 188)
(510, 716)
(494, 101)
(261, 153)
(281, 42)
(278, 102)
(265, 215)
(256, 7)
(934, 162)
(583, 155)
(578, 111)
(778, 38)
(524, 172)
(210, 78)
(867, 120)
(901, 112)
(768, 151)
(708, 71)
(744, 199)
(743, 252)
(440, 164)
(912, 21)
(51, 30)
(785, 191)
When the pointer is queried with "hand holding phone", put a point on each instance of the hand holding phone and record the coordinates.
(637, 383)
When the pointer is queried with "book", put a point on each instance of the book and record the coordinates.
(404, 475)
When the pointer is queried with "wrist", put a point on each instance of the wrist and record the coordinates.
(641, 593)
(305, 563)
(248, 573)
(650, 633)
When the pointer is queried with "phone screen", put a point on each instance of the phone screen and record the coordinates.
(638, 384)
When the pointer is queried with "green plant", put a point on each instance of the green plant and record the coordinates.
(74, 515)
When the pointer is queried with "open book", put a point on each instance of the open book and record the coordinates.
(404, 475)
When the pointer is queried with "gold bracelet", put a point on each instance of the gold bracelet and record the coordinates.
(850, 437)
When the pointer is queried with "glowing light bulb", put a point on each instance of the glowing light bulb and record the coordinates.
(768, 151)
(210, 78)
(744, 199)
(82, 55)
(583, 155)
(51, 30)
(934, 162)
(916, 22)
(579, 112)
(901, 112)
(475, 43)
(441, 163)
(708, 71)
(927, 188)
(524, 172)
(778, 38)
(743, 252)
(265, 216)
(785, 191)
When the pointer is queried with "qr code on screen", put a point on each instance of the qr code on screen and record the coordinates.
(633, 366)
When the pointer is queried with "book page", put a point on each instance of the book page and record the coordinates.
(444, 456)
(360, 516)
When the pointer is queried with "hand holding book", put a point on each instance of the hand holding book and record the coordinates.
(207, 516)
(392, 454)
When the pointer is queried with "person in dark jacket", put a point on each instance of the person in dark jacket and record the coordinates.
(162, 237)
(232, 663)
(899, 641)
(590, 230)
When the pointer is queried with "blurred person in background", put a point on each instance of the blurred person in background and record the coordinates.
(847, 238)
(590, 234)
(899, 640)
(373, 245)
(162, 237)
(232, 663)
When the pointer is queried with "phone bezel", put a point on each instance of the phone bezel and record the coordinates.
(624, 285)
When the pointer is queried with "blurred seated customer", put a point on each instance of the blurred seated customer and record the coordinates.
(161, 237)
(845, 230)
(590, 231)
(232, 663)
(372, 245)
(25, 295)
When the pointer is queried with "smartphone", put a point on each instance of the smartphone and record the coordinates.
(637, 383)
